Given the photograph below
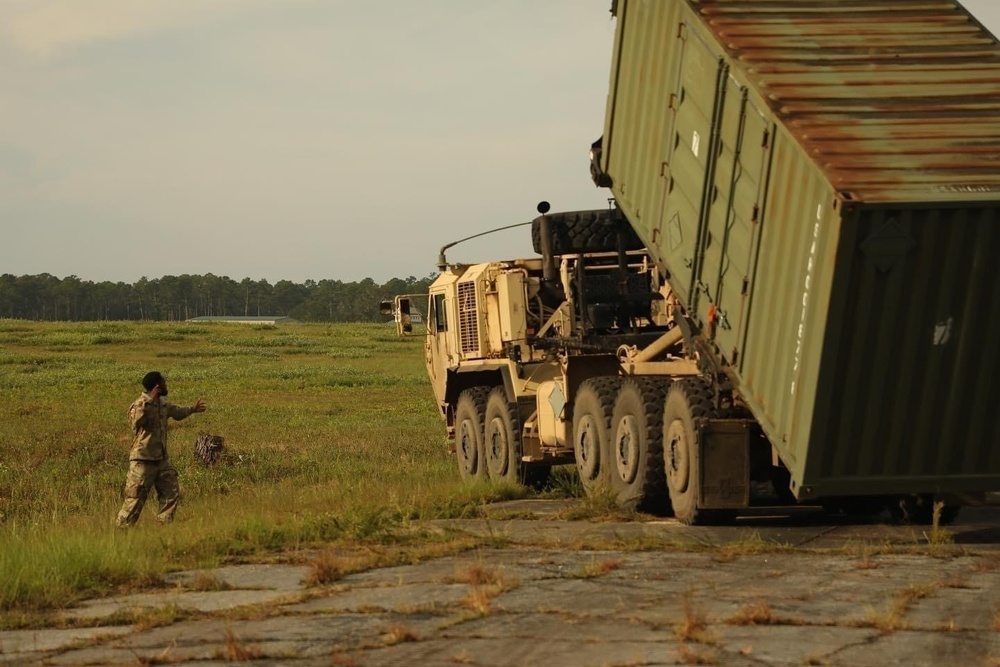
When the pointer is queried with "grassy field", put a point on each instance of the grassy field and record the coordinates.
(331, 436)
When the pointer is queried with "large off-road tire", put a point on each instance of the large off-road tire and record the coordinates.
(585, 231)
(503, 440)
(687, 401)
(595, 401)
(470, 413)
(635, 459)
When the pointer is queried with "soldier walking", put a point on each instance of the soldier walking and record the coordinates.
(149, 462)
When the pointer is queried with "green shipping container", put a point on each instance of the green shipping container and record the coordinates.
(821, 181)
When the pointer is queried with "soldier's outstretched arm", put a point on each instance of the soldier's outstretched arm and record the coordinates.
(179, 413)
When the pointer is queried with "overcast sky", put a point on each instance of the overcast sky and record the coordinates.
(293, 139)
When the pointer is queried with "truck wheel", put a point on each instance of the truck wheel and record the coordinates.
(595, 401)
(469, 449)
(687, 401)
(503, 439)
(635, 459)
(585, 231)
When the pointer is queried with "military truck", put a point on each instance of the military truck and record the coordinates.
(527, 356)
(802, 304)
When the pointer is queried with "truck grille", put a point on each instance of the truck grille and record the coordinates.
(468, 317)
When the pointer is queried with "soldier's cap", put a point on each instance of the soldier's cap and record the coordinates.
(151, 379)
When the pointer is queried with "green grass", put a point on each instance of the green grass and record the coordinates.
(331, 434)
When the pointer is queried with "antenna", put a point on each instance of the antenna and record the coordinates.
(442, 263)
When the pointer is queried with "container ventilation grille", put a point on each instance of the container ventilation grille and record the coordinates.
(468, 317)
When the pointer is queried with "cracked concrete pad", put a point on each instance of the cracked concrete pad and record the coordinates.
(527, 564)
(606, 595)
(117, 654)
(559, 595)
(532, 564)
(549, 533)
(819, 589)
(255, 584)
(969, 602)
(793, 527)
(207, 601)
(588, 627)
(907, 648)
(403, 598)
(436, 570)
(251, 576)
(24, 644)
(521, 564)
(518, 652)
(789, 644)
(281, 637)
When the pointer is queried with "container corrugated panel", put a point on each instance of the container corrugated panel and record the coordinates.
(821, 181)
(909, 385)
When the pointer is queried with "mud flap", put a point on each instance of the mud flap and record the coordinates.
(724, 458)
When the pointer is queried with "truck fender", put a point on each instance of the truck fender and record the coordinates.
(488, 375)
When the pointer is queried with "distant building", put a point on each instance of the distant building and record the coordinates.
(263, 319)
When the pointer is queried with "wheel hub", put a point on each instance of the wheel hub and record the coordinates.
(627, 449)
(676, 452)
(498, 448)
(467, 446)
(588, 449)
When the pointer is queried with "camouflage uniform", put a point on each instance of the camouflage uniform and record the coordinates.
(149, 463)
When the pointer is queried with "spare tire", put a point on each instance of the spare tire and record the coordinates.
(585, 231)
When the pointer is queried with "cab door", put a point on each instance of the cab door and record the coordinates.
(438, 350)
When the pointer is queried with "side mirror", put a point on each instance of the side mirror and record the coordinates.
(402, 313)
(404, 323)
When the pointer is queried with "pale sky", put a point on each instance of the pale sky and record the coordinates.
(293, 139)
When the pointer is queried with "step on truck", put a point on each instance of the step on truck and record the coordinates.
(794, 297)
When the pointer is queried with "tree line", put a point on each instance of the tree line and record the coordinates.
(46, 297)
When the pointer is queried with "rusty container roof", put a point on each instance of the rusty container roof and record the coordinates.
(894, 100)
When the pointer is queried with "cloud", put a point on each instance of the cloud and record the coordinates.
(49, 29)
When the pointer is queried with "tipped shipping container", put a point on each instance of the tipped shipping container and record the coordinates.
(821, 183)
